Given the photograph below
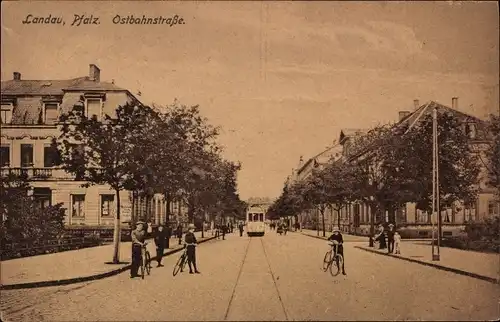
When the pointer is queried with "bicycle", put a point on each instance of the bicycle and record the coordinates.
(182, 261)
(146, 261)
(330, 260)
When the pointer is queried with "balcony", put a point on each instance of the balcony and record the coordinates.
(37, 174)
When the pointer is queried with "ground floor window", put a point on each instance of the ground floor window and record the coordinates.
(42, 197)
(107, 205)
(78, 205)
(493, 208)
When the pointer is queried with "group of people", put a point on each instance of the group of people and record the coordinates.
(393, 242)
(162, 241)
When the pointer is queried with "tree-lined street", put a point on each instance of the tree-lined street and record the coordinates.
(270, 278)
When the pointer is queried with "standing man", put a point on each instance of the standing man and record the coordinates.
(224, 228)
(179, 233)
(191, 243)
(138, 236)
(168, 234)
(241, 229)
(160, 244)
(390, 239)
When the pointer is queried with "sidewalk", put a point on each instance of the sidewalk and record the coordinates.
(484, 266)
(74, 266)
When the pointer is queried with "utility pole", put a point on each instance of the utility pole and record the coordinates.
(435, 186)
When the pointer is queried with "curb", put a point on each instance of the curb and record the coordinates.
(326, 238)
(444, 268)
(85, 278)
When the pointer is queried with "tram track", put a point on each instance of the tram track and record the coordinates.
(273, 277)
(237, 280)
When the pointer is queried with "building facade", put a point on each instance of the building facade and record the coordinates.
(29, 122)
(356, 217)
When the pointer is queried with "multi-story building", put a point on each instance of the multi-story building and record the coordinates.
(310, 218)
(29, 121)
(356, 217)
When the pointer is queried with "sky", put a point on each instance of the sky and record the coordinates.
(281, 79)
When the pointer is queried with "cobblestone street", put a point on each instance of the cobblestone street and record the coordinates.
(270, 278)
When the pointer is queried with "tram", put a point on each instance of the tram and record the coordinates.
(256, 221)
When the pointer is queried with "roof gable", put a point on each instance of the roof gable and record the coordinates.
(54, 87)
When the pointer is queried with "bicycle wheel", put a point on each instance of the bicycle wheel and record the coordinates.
(184, 262)
(327, 260)
(148, 263)
(142, 269)
(337, 264)
(178, 265)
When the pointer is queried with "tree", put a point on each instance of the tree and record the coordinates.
(178, 150)
(341, 184)
(377, 169)
(23, 220)
(458, 163)
(107, 151)
(493, 154)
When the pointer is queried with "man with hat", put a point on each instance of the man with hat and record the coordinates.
(138, 236)
(337, 237)
(390, 239)
(191, 243)
(160, 238)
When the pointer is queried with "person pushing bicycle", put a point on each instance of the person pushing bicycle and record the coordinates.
(138, 236)
(336, 237)
(191, 243)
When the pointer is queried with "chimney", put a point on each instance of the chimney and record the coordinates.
(416, 103)
(403, 114)
(17, 76)
(94, 73)
(454, 103)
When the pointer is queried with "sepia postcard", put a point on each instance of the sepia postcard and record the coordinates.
(250, 161)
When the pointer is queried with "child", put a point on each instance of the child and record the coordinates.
(397, 242)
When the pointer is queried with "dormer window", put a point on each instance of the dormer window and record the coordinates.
(6, 113)
(50, 112)
(93, 105)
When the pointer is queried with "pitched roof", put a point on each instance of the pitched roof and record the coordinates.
(427, 108)
(54, 87)
(344, 133)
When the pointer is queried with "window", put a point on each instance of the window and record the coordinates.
(446, 216)
(470, 213)
(50, 156)
(470, 130)
(78, 205)
(51, 113)
(94, 107)
(401, 215)
(261, 217)
(493, 208)
(26, 155)
(5, 156)
(6, 113)
(250, 217)
(42, 197)
(422, 216)
(107, 205)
